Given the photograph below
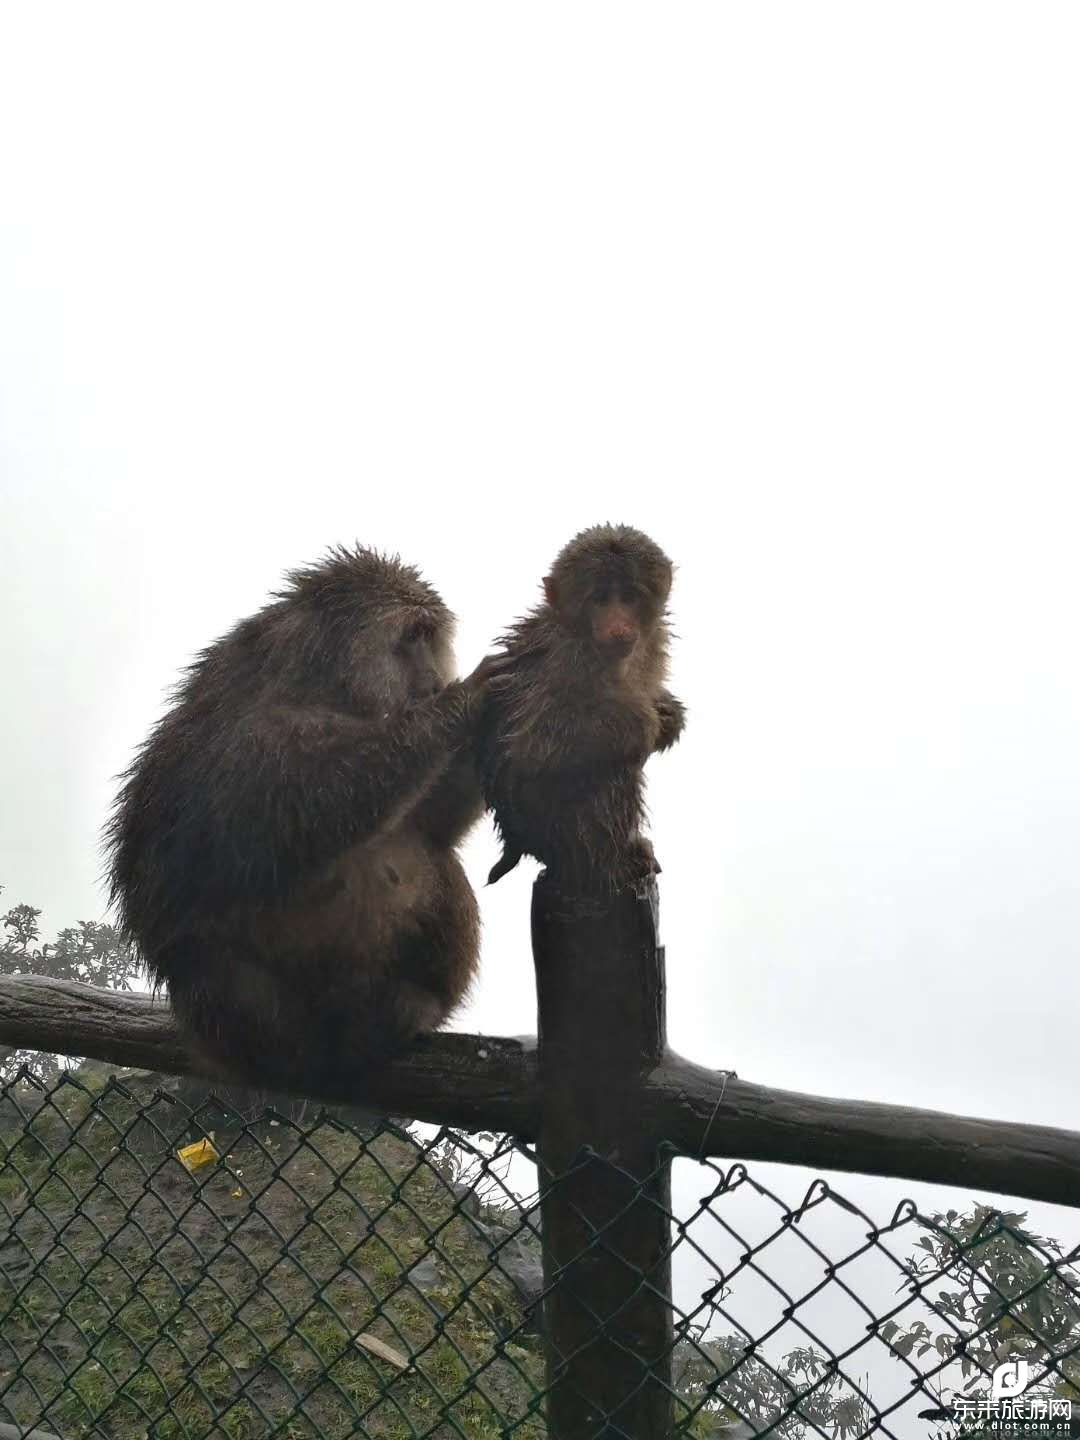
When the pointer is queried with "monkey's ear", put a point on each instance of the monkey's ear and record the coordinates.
(551, 593)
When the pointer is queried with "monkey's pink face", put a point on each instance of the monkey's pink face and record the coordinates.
(614, 623)
(612, 611)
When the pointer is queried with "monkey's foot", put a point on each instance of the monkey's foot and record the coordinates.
(643, 860)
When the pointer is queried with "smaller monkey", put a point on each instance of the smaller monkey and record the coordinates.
(581, 705)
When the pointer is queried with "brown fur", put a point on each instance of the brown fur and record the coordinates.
(570, 723)
(282, 849)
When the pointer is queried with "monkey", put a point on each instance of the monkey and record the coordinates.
(282, 849)
(569, 722)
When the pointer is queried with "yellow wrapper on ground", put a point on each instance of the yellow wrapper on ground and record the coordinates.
(194, 1157)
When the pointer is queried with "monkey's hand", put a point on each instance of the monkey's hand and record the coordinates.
(672, 716)
(464, 702)
(474, 691)
(491, 668)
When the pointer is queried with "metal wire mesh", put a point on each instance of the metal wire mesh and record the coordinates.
(818, 1320)
(138, 1298)
(323, 1277)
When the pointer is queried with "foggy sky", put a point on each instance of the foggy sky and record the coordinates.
(793, 288)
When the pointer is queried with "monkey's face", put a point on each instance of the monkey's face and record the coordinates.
(425, 657)
(614, 619)
(397, 656)
(612, 611)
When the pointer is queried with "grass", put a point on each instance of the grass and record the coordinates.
(139, 1300)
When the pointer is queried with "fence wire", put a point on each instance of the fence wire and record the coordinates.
(170, 1268)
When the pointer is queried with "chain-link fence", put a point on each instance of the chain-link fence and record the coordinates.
(171, 1268)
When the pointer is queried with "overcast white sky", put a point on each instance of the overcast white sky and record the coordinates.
(792, 287)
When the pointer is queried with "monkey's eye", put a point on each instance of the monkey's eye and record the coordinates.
(414, 634)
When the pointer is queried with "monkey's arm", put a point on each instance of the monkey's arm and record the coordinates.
(453, 804)
(672, 715)
(588, 736)
(315, 781)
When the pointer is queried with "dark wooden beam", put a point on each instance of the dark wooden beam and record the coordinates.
(469, 1081)
(492, 1084)
(605, 1206)
(709, 1112)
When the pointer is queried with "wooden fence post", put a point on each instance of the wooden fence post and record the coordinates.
(607, 1201)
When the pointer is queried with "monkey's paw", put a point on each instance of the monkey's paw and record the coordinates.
(643, 862)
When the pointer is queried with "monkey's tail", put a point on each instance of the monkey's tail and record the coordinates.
(504, 864)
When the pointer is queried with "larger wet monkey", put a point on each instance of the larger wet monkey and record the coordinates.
(580, 708)
(282, 850)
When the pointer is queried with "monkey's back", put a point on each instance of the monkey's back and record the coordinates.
(281, 941)
(361, 952)
(375, 947)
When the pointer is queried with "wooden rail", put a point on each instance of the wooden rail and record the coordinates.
(475, 1081)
